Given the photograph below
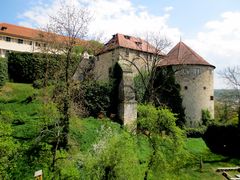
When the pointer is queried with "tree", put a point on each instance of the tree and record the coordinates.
(64, 32)
(147, 65)
(232, 75)
(165, 138)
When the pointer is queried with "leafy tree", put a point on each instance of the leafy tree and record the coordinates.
(166, 140)
(64, 32)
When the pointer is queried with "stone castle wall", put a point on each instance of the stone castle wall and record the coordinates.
(196, 83)
(106, 61)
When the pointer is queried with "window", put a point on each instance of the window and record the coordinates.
(37, 44)
(204, 88)
(211, 98)
(8, 39)
(30, 43)
(3, 28)
(197, 71)
(127, 52)
(20, 41)
(185, 87)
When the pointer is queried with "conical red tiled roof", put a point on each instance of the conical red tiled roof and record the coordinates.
(130, 42)
(181, 54)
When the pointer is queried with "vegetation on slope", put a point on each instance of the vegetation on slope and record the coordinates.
(98, 149)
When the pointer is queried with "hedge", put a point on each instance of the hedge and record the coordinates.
(223, 139)
(27, 67)
(3, 71)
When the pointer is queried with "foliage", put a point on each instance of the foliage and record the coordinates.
(92, 47)
(223, 139)
(113, 156)
(166, 140)
(8, 150)
(93, 96)
(3, 71)
(98, 148)
(140, 86)
(195, 132)
(206, 117)
(168, 92)
(27, 67)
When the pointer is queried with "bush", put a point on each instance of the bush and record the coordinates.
(94, 96)
(26, 67)
(223, 139)
(3, 71)
(195, 132)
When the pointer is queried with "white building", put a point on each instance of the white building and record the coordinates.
(18, 38)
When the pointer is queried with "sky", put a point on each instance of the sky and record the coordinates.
(209, 27)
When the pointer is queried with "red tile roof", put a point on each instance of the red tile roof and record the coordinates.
(181, 54)
(34, 34)
(125, 41)
(19, 31)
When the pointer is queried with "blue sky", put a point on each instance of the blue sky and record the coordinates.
(210, 27)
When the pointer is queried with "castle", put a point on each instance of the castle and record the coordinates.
(192, 73)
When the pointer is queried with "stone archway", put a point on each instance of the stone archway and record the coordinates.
(126, 103)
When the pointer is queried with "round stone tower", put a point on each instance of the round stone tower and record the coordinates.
(195, 76)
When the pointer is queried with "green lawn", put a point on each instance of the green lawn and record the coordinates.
(211, 162)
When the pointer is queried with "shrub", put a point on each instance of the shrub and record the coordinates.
(195, 132)
(223, 139)
(206, 117)
(94, 96)
(3, 71)
(27, 67)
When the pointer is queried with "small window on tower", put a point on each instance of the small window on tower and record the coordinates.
(211, 98)
(204, 88)
(185, 87)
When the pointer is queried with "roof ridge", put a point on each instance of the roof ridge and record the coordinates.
(21, 26)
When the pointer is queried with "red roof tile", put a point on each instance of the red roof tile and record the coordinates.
(182, 54)
(35, 34)
(125, 41)
(19, 31)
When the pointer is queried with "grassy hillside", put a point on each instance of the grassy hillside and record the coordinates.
(95, 145)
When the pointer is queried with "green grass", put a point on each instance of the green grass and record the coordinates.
(19, 105)
(211, 161)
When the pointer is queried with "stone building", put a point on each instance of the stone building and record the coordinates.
(129, 54)
(195, 76)
(126, 48)
(192, 73)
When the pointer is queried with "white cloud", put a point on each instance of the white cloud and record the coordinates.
(168, 8)
(219, 43)
(109, 17)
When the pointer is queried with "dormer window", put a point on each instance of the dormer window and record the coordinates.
(3, 28)
(126, 37)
